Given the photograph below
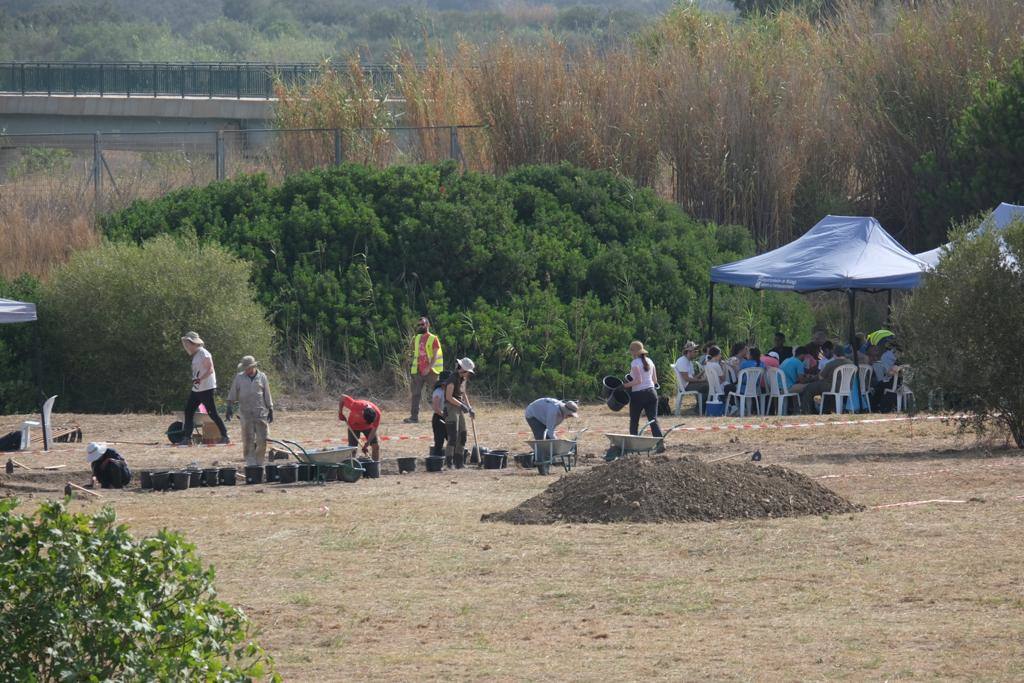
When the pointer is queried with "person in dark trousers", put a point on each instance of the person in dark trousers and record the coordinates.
(427, 364)
(545, 414)
(644, 397)
(109, 468)
(457, 406)
(204, 383)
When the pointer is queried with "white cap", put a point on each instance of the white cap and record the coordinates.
(95, 451)
(468, 365)
(774, 354)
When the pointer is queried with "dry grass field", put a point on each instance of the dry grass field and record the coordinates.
(397, 579)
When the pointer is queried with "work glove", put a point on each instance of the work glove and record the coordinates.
(270, 415)
(365, 449)
(472, 413)
(229, 414)
(464, 407)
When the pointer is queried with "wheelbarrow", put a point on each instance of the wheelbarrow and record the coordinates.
(350, 467)
(634, 444)
(547, 452)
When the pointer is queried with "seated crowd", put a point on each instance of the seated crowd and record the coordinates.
(808, 370)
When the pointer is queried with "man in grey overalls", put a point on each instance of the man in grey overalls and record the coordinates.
(251, 391)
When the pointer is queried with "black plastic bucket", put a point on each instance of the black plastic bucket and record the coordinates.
(525, 460)
(495, 460)
(253, 474)
(288, 474)
(176, 432)
(211, 476)
(609, 384)
(180, 480)
(406, 465)
(145, 479)
(303, 471)
(435, 464)
(314, 472)
(195, 478)
(618, 400)
(371, 468)
(227, 476)
(161, 480)
(272, 473)
(436, 452)
(329, 472)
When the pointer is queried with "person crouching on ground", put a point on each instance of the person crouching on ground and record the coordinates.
(437, 422)
(251, 391)
(109, 468)
(204, 383)
(545, 414)
(457, 406)
(644, 398)
(363, 420)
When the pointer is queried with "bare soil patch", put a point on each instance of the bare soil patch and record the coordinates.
(664, 489)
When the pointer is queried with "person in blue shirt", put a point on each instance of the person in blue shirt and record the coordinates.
(793, 369)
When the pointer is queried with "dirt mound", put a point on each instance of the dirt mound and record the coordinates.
(663, 489)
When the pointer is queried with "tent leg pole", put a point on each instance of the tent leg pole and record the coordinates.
(711, 312)
(853, 344)
(888, 311)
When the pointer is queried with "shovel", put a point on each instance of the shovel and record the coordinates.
(476, 446)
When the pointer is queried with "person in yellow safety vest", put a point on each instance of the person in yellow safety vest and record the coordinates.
(427, 365)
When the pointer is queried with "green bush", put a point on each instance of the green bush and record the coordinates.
(963, 320)
(84, 600)
(113, 317)
(543, 275)
(20, 355)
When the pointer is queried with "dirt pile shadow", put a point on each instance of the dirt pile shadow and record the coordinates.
(663, 489)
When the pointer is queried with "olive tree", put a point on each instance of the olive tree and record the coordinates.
(961, 329)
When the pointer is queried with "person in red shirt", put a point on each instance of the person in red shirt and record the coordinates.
(363, 419)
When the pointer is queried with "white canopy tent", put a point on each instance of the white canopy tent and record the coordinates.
(16, 311)
(998, 220)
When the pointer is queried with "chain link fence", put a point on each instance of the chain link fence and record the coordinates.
(103, 172)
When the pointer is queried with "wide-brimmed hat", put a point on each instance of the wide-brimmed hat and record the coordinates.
(247, 362)
(571, 408)
(467, 364)
(95, 451)
(690, 346)
(637, 347)
(193, 338)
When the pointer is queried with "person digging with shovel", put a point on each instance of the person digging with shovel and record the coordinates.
(457, 406)
(363, 420)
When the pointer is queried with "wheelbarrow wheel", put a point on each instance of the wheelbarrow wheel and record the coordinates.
(544, 468)
(612, 453)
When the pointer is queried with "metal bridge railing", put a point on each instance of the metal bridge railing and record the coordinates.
(213, 79)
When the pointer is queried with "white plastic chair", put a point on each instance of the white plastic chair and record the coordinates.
(842, 387)
(899, 387)
(750, 383)
(715, 389)
(778, 391)
(684, 392)
(865, 377)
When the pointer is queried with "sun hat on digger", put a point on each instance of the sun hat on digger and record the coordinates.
(95, 451)
(193, 338)
(247, 362)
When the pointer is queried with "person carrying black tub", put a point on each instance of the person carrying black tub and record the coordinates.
(643, 377)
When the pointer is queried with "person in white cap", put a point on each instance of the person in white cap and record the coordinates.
(109, 469)
(457, 406)
(688, 377)
(545, 414)
(251, 391)
(204, 383)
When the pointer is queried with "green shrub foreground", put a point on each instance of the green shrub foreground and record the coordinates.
(113, 317)
(966, 317)
(543, 275)
(85, 601)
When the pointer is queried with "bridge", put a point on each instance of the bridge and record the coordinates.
(86, 98)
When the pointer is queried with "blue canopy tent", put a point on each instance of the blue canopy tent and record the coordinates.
(840, 253)
(998, 220)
